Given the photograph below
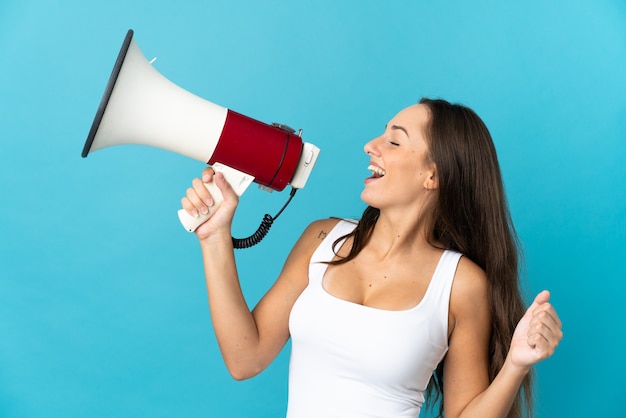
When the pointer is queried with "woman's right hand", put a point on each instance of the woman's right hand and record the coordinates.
(198, 200)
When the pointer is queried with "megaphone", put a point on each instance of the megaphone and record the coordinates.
(140, 106)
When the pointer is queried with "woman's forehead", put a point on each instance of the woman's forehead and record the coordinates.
(412, 118)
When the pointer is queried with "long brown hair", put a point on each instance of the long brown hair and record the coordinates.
(472, 217)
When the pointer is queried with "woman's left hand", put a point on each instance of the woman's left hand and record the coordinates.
(537, 334)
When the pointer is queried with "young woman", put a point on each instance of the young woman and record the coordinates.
(424, 285)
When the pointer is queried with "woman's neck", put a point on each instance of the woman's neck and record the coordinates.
(400, 236)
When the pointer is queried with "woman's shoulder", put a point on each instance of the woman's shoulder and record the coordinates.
(321, 227)
(470, 287)
(470, 273)
(309, 241)
(316, 232)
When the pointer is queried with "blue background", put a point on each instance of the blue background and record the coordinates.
(103, 306)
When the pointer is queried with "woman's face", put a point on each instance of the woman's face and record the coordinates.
(399, 160)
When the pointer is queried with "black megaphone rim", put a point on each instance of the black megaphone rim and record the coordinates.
(107, 92)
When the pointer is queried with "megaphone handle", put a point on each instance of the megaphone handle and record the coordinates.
(238, 180)
(191, 223)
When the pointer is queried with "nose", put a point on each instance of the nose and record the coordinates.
(371, 148)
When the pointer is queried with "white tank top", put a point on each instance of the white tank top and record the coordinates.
(349, 360)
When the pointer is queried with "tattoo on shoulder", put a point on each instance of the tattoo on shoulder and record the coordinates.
(322, 234)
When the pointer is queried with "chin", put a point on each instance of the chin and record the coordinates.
(366, 197)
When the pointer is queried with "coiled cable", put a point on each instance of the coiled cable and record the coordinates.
(263, 228)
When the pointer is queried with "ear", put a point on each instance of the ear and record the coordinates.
(432, 180)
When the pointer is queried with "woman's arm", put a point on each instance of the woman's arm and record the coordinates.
(466, 384)
(248, 340)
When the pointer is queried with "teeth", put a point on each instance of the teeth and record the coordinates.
(376, 170)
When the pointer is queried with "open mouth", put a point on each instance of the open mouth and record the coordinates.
(377, 172)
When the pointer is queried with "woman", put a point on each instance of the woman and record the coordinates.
(427, 279)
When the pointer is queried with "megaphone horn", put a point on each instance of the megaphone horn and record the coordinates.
(140, 106)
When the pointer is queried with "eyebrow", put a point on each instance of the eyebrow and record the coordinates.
(400, 128)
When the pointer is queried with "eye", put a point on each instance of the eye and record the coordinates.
(395, 144)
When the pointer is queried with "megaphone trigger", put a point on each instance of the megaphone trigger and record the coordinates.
(238, 180)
